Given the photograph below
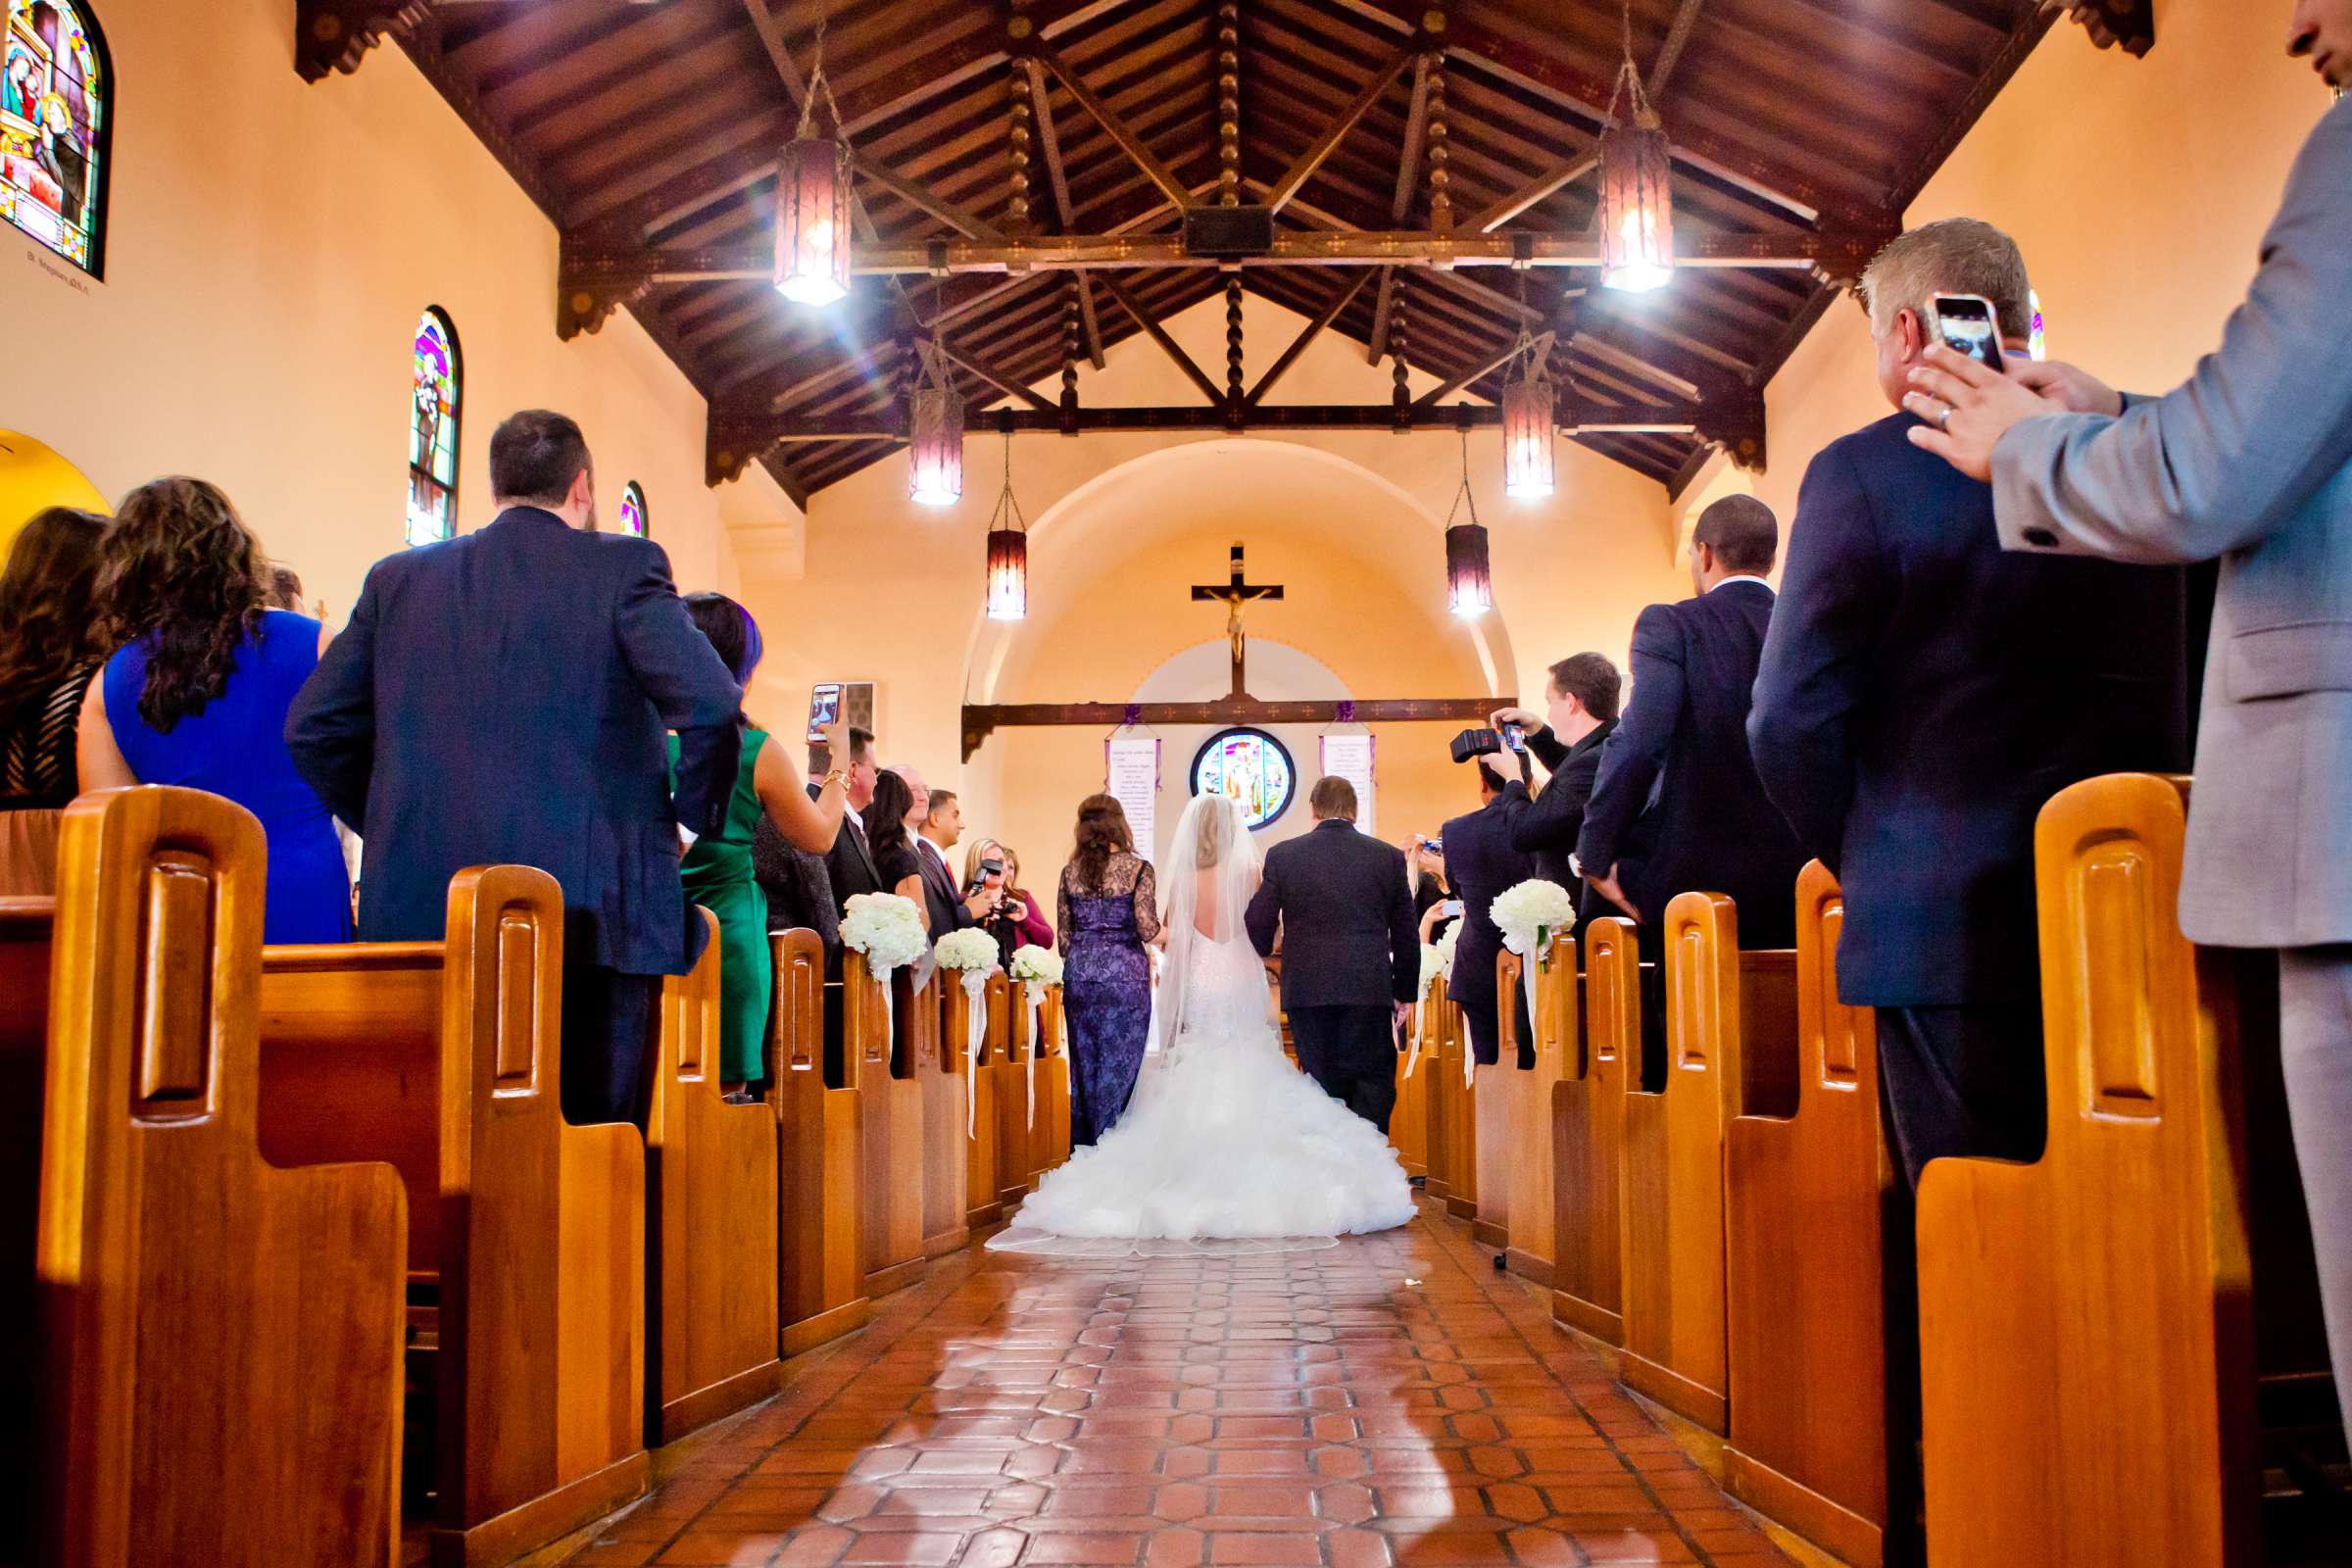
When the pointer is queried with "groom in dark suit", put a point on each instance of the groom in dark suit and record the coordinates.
(500, 698)
(1350, 951)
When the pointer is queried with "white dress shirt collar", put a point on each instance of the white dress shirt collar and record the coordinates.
(1744, 577)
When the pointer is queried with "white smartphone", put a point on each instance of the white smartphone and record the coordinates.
(1968, 325)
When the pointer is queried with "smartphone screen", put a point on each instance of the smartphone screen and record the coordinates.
(1965, 323)
(824, 707)
(1452, 909)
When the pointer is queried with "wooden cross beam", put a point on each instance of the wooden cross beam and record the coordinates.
(981, 721)
(1235, 595)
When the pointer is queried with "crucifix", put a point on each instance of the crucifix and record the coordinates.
(1234, 595)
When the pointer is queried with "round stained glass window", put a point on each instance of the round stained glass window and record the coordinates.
(1250, 767)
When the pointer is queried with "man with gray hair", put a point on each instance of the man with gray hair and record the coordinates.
(1922, 694)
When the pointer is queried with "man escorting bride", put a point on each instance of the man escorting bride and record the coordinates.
(1224, 1139)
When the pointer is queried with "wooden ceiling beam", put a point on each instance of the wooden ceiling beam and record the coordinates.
(1384, 306)
(1115, 127)
(1566, 171)
(915, 193)
(1302, 169)
(1167, 345)
(1308, 334)
(1455, 383)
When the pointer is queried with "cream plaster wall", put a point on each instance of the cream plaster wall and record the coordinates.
(2138, 190)
(272, 245)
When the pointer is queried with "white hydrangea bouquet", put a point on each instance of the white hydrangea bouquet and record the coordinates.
(1036, 968)
(889, 931)
(1527, 916)
(1434, 961)
(971, 955)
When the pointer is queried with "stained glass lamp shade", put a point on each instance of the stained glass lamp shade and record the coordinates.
(433, 432)
(935, 438)
(1527, 415)
(632, 510)
(1250, 767)
(1469, 588)
(53, 129)
(813, 221)
(1008, 574)
(1637, 206)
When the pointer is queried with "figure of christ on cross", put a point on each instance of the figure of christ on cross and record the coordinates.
(1234, 595)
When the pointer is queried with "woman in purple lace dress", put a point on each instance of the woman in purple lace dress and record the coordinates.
(1108, 916)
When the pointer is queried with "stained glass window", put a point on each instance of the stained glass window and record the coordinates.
(1252, 768)
(632, 510)
(439, 382)
(54, 123)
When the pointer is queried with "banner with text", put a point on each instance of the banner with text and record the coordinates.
(1131, 769)
(1350, 757)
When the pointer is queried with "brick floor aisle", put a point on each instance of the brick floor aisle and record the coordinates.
(1389, 1401)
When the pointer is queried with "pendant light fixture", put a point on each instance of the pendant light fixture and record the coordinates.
(1469, 586)
(1007, 549)
(935, 434)
(814, 200)
(1637, 185)
(1528, 401)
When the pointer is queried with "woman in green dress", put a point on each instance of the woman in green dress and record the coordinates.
(717, 867)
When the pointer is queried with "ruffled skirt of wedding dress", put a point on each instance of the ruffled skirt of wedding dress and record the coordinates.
(1225, 1147)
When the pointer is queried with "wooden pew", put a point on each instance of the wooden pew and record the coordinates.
(982, 1204)
(2088, 1321)
(1453, 1120)
(819, 1257)
(1495, 1100)
(1016, 1130)
(1588, 1138)
(712, 1216)
(1049, 1142)
(1533, 1225)
(526, 1235)
(1409, 1123)
(211, 1372)
(1731, 1027)
(1807, 1296)
(889, 1132)
(940, 1076)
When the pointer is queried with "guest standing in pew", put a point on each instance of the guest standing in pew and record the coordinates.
(2249, 460)
(197, 689)
(849, 869)
(1923, 694)
(51, 645)
(501, 697)
(952, 908)
(1017, 921)
(1484, 865)
(798, 894)
(1677, 806)
(1109, 914)
(717, 867)
(1580, 696)
(893, 846)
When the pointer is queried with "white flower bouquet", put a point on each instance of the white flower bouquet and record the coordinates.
(967, 950)
(886, 928)
(1530, 913)
(970, 954)
(1433, 963)
(1036, 965)
(1036, 968)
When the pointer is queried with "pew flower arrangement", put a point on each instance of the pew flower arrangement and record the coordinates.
(971, 955)
(889, 931)
(1036, 968)
(1444, 948)
(1528, 915)
(1434, 961)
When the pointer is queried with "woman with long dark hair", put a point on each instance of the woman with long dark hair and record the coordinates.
(1107, 916)
(50, 646)
(717, 867)
(197, 689)
(887, 840)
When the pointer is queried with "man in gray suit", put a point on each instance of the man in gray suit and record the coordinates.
(2249, 460)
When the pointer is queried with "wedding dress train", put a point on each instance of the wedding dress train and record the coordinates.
(1224, 1141)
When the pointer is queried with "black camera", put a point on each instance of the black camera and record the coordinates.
(1472, 743)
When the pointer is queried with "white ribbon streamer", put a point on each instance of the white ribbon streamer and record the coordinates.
(1413, 1058)
(1036, 993)
(1529, 969)
(890, 1017)
(975, 1035)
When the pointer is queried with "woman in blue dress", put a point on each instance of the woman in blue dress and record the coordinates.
(1108, 918)
(197, 689)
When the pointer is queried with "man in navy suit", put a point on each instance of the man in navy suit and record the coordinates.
(1482, 863)
(1677, 806)
(500, 698)
(1923, 695)
(1581, 696)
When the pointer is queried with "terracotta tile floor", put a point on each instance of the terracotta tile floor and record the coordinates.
(1391, 1401)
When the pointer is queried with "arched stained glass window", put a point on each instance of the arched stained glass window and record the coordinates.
(55, 89)
(1252, 768)
(632, 510)
(439, 384)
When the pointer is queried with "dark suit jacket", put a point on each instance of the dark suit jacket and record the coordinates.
(1546, 826)
(850, 866)
(1677, 806)
(1924, 693)
(500, 698)
(1482, 865)
(1346, 914)
(942, 894)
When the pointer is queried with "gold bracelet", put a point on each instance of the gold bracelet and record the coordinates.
(837, 776)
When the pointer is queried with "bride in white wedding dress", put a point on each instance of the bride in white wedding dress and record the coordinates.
(1224, 1140)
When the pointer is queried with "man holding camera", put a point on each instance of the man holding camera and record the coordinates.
(1676, 806)
(1580, 696)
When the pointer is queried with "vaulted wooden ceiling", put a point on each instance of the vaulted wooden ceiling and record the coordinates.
(649, 130)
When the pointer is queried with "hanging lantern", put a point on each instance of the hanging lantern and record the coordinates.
(1007, 548)
(813, 221)
(934, 436)
(1636, 204)
(1469, 586)
(1527, 428)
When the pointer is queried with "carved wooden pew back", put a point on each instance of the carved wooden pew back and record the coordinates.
(1530, 1172)
(890, 1127)
(820, 1253)
(1588, 1133)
